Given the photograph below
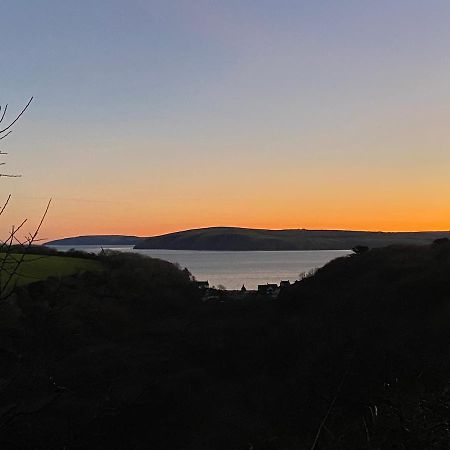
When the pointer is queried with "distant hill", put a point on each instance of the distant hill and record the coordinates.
(230, 238)
(96, 240)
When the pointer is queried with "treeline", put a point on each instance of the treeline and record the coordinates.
(43, 250)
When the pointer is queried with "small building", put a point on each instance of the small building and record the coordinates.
(262, 289)
(267, 289)
(203, 285)
(285, 284)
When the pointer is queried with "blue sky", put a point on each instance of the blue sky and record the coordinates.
(145, 103)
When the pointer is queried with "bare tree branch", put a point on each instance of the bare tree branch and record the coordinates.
(18, 116)
(4, 288)
(4, 112)
(11, 263)
(5, 204)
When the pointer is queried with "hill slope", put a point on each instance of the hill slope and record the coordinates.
(229, 238)
(112, 239)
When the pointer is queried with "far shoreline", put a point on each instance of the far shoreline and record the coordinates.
(246, 239)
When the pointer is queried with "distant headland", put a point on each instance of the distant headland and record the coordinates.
(248, 239)
(101, 239)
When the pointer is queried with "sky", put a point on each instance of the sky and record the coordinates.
(155, 116)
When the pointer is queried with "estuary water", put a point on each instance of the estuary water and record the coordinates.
(233, 269)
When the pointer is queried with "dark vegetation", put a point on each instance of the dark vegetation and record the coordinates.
(42, 250)
(230, 238)
(356, 356)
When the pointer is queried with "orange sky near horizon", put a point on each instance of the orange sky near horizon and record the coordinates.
(375, 190)
(73, 217)
(331, 210)
(393, 185)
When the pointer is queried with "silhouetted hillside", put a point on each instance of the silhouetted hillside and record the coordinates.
(96, 240)
(355, 357)
(229, 238)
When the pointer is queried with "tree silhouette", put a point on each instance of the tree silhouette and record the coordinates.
(358, 249)
(10, 259)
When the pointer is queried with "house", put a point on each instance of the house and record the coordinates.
(285, 284)
(203, 285)
(268, 289)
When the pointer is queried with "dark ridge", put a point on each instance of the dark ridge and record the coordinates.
(112, 239)
(231, 238)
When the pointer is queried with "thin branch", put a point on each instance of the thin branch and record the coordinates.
(5, 205)
(6, 135)
(8, 244)
(42, 219)
(18, 117)
(4, 112)
(30, 241)
(16, 229)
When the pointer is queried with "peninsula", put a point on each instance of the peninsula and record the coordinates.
(242, 239)
(112, 239)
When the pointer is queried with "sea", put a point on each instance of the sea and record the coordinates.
(234, 269)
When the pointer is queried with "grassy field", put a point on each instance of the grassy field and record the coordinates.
(40, 267)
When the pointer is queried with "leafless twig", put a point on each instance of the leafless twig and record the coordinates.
(29, 240)
(17, 117)
(5, 132)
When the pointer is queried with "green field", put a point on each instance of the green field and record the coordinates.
(39, 267)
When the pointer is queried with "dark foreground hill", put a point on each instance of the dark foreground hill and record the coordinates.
(230, 238)
(96, 240)
(355, 357)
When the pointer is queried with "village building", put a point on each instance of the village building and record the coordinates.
(268, 289)
(203, 285)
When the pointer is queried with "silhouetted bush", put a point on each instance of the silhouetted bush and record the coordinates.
(441, 241)
(360, 249)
